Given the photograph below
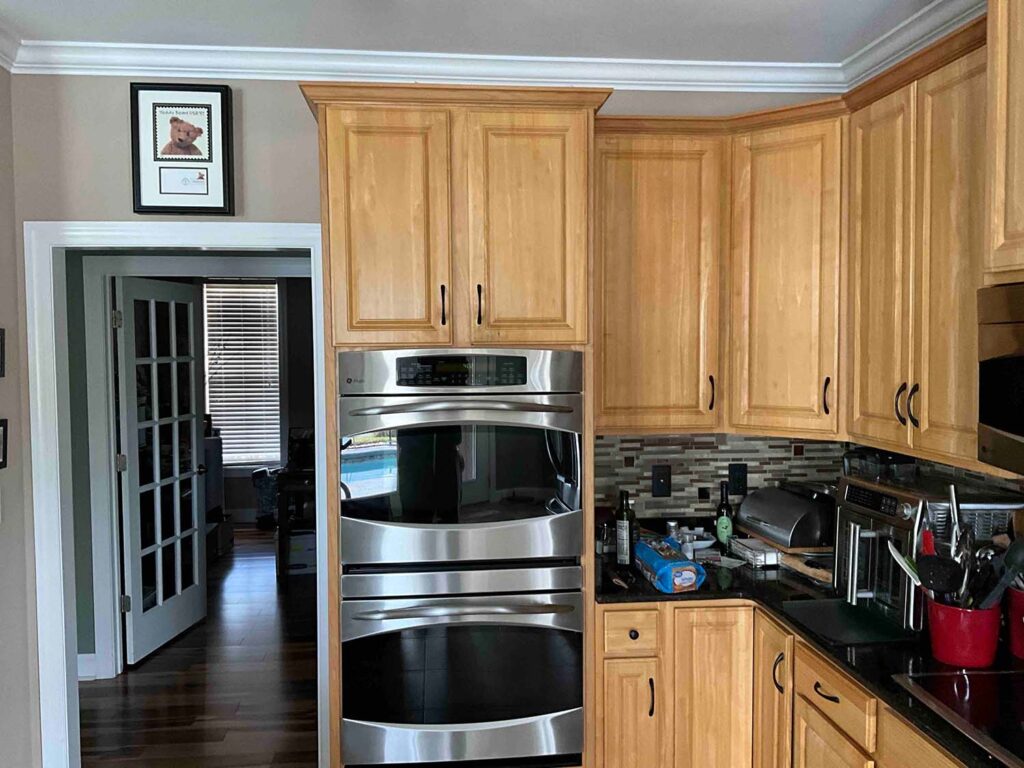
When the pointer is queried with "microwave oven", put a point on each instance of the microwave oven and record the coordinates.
(1001, 376)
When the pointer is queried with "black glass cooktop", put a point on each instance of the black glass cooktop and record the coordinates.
(988, 706)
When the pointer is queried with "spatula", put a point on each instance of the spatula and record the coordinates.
(903, 563)
(940, 574)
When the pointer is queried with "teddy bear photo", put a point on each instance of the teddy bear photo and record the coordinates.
(182, 139)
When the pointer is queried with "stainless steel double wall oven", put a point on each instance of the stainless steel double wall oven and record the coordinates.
(461, 539)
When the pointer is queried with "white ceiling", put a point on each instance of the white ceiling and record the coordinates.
(788, 50)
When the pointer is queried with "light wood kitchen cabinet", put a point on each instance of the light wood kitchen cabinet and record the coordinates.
(388, 224)
(819, 744)
(881, 246)
(526, 217)
(901, 746)
(633, 733)
(713, 677)
(658, 237)
(942, 403)
(784, 334)
(455, 215)
(773, 694)
(1004, 262)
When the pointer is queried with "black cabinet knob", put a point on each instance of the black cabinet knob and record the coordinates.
(634, 635)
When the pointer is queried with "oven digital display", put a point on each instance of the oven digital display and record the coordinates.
(873, 500)
(462, 371)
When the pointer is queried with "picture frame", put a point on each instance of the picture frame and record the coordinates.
(3, 443)
(182, 149)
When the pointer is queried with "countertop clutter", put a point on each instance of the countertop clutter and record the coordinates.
(872, 665)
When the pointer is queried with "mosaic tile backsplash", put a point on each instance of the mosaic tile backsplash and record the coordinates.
(702, 461)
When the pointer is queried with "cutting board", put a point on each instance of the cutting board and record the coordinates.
(789, 550)
(799, 565)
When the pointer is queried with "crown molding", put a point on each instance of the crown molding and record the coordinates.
(39, 57)
(931, 23)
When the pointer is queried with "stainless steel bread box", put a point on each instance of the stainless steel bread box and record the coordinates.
(792, 515)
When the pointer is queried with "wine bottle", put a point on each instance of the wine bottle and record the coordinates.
(625, 524)
(723, 526)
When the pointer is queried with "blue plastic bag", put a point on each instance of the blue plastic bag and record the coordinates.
(665, 567)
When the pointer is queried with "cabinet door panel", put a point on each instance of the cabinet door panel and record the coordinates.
(632, 733)
(881, 239)
(785, 278)
(773, 709)
(714, 669)
(527, 203)
(819, 744)
(387, 181)
(1005, 253)
(949, 255)
(658, 235)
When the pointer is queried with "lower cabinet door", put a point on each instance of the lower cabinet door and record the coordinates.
(773, 694)
(819, 744)
(713, 680)
(632, 732)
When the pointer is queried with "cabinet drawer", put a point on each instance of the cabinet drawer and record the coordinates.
(901, 746)
(817, 743)
(840, 699)
(631, 633)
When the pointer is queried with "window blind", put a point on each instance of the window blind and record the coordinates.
(243, 370)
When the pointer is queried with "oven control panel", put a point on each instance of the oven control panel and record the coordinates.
(462, 371)
(875, 501)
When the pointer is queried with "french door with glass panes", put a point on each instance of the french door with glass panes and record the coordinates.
(163, 511)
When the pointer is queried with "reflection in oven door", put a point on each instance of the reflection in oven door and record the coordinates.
(448, 492)
(462, 678)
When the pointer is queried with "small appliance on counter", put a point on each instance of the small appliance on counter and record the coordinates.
(793, 516)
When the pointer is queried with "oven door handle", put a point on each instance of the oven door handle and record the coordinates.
(442, 406)
(445, 611)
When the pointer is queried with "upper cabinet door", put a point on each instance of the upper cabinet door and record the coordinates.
(784, 331)
(390, 264)
(949, 256)
(526, 218)
(881, 246)
(657, 238)
(1005, 253)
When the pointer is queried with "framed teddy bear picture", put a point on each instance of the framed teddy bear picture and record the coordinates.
(181, 149)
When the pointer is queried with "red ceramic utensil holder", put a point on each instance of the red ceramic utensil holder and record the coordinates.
(1016, 607)
(964, 637)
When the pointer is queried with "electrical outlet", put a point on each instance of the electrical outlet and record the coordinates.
(661, 480)
(703, 494)
(738, 479)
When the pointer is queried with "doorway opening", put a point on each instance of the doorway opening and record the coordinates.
(195, 603)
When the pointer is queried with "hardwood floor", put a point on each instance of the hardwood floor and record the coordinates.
(237, 690)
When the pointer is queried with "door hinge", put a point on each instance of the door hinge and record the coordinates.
(126, 603)
(117, 319)
(121, 462)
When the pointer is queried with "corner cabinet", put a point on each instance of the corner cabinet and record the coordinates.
(773, 693)
(784, 318)
(658, 235)
(1004, 257)
(455, 215)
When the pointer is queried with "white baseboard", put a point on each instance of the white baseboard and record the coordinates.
(87, 666)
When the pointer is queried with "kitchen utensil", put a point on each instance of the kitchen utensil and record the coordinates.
(954, 514)
(965, 556)
(941, 575)
(903, 563)
(1013, 564)
(927, 533)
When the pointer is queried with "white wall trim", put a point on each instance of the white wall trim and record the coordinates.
(106, 535)
(86, 666)
(50, 444)
(40, 57)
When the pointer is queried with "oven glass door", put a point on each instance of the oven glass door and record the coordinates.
(450, 490)
(462, 678)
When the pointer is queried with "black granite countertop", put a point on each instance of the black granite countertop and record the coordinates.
(872, 665)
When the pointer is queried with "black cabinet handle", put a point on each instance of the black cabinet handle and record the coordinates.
(775, 669)
(444, 305)
(824, 394)
(910, 405)
(634, 635)
(650, 712)
(711, 405)
(896, 404)
(479, 304)
(825, 696)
